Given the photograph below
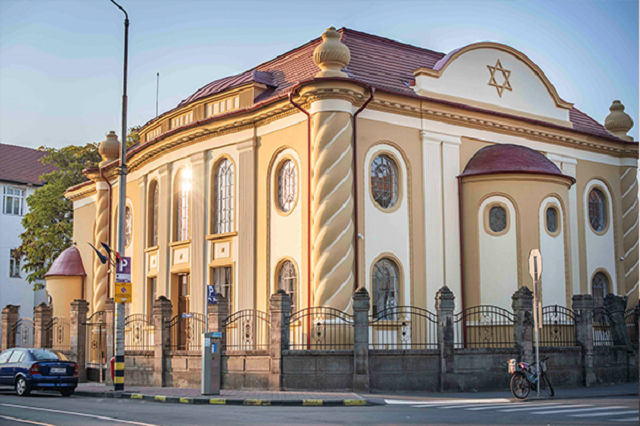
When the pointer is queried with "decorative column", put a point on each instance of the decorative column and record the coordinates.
(141, 258)
(162, 310)
(42, 315)
(280, 310)
(582, 305)
(216, 316)
(445, 304)
(198, 233)
(246, 224)
(9, 318)
(78, 336)
(522, 304)
(110, 322)
(361, 340)
(451, 213)
(616, 306)
(164, 231)
(332, 207)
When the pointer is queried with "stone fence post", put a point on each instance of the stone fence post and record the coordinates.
(522, 305)
(216, 315)
(361, 340)
(445, 304)
(280, 310)
(582, 305)
(9, 319)
(78, 336)
(110, 323)
(162, 311)
(42, 315)
(616, 306)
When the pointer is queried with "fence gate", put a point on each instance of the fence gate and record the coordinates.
(247, 330)
(96, 349)
(59, 333)
(24, 330)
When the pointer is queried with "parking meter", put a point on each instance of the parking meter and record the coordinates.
(210, 380)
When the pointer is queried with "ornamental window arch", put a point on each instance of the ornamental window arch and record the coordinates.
(223, 196)
(181, 204)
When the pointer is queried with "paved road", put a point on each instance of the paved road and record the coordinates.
(53, 410)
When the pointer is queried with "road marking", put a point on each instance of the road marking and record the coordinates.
(563, 409)
(531, 407)
(447, 401)
(631, 419)
(615, 413)
(448, 407)
(25, 421)
(581, 409)
(490, 407)
(73, 413)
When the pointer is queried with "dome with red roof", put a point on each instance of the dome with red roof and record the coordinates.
(69, 264)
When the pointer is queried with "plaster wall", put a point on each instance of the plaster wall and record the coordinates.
(552, 248)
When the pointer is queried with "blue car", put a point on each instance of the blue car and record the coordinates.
(28, 369)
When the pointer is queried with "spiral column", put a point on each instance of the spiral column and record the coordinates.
(629, 186)
(100, 235)
(332, 209)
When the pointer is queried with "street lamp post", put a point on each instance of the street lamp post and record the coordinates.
(118, 380)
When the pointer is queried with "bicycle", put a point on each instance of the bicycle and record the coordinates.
(524, 377)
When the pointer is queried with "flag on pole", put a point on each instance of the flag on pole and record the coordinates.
(108, 249)
(101, 256)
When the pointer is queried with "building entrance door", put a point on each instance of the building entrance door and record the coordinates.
(184, 307)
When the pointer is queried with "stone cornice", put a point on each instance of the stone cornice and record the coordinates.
(79, 192)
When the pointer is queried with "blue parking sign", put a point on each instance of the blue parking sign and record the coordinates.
(212, 296)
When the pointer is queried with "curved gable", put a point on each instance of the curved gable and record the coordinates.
(497, 77)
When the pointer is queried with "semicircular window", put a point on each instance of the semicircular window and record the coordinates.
(497, 219)
(597, 211)
(384, 181)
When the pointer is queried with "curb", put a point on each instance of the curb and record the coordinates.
(229, 401)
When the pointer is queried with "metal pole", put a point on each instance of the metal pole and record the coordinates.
(122, 191)
(535, 324)
(157, 91)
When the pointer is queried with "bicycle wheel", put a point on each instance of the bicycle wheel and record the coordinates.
(520, 385)
(546, 384)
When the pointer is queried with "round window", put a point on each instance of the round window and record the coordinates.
(384, 181)
(552, 220)
(597, 210)
(497, 219)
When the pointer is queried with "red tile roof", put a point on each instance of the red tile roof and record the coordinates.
(380, 62)
(19, 164)
(69, 263)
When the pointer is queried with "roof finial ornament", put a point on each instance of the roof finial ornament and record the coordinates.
(331, 55)
(109, 148)
(618, 122)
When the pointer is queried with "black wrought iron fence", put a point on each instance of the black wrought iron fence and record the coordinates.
(631, 319)
(186, 331)
(247, 330)
(558, 326)
(320, 328)
(59, 333)
(483, 327)
(403, 327)
(601, 323)
(24, 330)
(138, 333)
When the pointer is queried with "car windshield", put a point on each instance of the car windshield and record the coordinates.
(47, 355)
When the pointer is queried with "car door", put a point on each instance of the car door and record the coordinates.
(12, 365)
(4, 369)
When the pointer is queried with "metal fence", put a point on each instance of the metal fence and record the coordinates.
(59, 333)
(138, 333)
(24, 330)
(631, 319)
(601, 323)
(247, 330)
(403, 327)
(96, 349)
(186, 331)
(558, 326)
(320, 328)
(483, 327)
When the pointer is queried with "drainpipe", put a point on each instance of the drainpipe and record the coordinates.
(464, 324)
(372, 92)
(108, 228)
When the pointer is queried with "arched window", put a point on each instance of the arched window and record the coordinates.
(183, 182)
(599, 288)
(597, 210)
(287, 185)
(153, 214)
(223, 198)
(384, 181)
(385, 288)
(288, 281)
(497, 219)
(128, 226)
(552, 220)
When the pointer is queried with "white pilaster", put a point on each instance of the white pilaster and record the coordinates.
(164, 229)
(451, 214)
(141, 227)
(246, 225)
(198, 233)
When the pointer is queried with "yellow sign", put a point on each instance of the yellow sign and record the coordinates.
(123, 293)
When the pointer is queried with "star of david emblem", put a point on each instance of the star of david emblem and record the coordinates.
(505, 74)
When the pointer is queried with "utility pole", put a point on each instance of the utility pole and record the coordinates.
(118, 381)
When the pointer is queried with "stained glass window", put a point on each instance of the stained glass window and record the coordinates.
(287, 185)
(599, 288)
(384, 181)
(552, 219)
(288, 281)
(597, 212)
(223, 222)
(385, 289)
(497, 219)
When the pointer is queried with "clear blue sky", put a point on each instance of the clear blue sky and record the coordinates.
(61, 61)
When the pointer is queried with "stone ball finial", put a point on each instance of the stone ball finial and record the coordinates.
(331, 56)
(109, 148)
(618, 122)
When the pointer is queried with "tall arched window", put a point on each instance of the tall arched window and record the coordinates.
(384, 181)
(154, 201)
(223, 217)
(599, 288)
(288, 281)
(385, 289)
(597, 210)
(287, 185)
(183, 189)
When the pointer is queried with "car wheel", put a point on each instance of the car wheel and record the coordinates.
(67, 392)
(22, 387)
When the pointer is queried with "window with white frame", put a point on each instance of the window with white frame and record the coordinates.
(223, 197)
(385, 289)
(182, 204)
(14, 264)
(13, 202)
(154, 202)
(288, 281)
